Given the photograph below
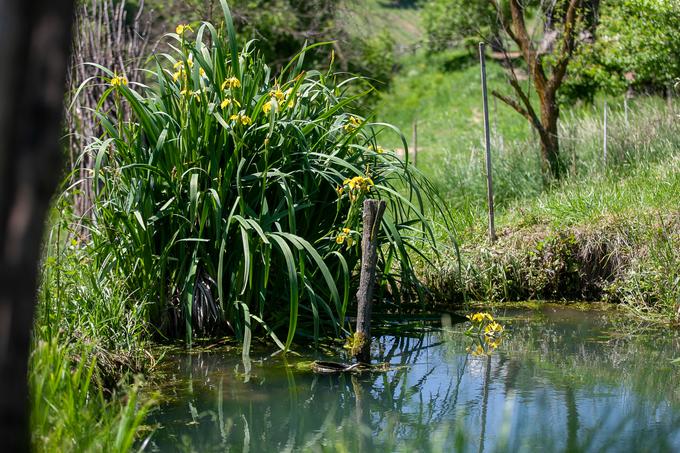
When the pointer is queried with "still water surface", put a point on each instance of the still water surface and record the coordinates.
(562, 380)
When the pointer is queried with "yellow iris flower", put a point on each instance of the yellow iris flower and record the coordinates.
(231, 82)
(117, 81)
(182, 28)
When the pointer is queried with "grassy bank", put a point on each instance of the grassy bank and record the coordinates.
(87, 354)
(605, 232)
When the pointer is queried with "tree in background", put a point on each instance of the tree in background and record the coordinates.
(452, 23)
(546, 63)
(545, 50)
(637, 46)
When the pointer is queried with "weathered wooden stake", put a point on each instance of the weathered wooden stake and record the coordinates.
(373, 212)
(487, 144)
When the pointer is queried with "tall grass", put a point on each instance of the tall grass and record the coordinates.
(69, 409)
(87, 343)
(607, 231)
(649, 135)
(232, 197)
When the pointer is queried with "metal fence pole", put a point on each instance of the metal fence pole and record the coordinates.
(604, 136)
(487, 143)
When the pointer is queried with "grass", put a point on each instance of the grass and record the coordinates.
(87, 345)
(69, 408)
(605, 232)
(446, 105)
(214, 230)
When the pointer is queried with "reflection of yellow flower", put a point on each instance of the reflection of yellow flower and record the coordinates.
(493, 343)
(117, 81)
(231, 82)
(479, 317)
(479, 350)
(182, 28)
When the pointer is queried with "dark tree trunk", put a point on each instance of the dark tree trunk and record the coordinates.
(34, 43)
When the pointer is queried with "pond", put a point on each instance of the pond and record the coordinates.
(562, 380)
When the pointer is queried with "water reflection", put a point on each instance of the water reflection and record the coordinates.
(561, 381)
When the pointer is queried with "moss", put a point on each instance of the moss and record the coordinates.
(355, 343)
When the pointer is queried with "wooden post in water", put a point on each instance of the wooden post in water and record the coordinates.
(487, 144)
(373, 213)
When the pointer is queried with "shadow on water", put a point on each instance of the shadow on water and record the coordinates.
(561, 381)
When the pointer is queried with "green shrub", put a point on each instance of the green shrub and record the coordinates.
(232, 198)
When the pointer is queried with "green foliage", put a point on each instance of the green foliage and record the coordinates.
(605, 233)
(69, 410)
(87, 342)
(636, 37)
(229, 196)
(283, 27)
(375, 59)
(454, 22)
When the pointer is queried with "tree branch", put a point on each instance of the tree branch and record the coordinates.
(504, 22)
(519, 109)
(526, 46)
(567, 47)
